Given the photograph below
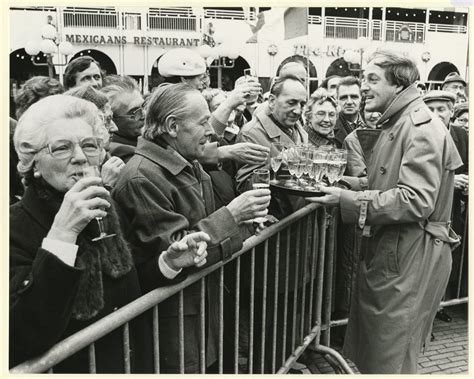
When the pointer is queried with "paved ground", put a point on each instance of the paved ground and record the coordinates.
(447, 354)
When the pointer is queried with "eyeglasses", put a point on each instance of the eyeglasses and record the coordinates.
(107, 120)
(63, 149)
(137, 115)
(322, 114)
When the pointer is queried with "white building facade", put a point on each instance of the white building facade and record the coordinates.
(129, 40)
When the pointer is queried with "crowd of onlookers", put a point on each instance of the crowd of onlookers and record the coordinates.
(172, 194)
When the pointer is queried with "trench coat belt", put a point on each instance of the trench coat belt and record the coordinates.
(442, 230)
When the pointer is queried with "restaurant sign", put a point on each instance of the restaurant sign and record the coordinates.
(329, 51)
(123, 40)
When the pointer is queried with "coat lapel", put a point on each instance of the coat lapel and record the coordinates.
(38, 209)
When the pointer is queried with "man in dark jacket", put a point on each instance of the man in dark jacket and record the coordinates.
(165, 194)
(126, 102)
(349, 98)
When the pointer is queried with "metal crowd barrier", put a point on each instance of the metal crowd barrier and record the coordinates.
(307, 238)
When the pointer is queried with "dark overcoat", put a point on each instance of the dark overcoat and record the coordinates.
(42, 291)
(162, 198)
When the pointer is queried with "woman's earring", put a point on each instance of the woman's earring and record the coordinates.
(37, 174)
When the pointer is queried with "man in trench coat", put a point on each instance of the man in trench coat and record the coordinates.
(404, 216)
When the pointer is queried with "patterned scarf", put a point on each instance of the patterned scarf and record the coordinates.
(318, 139)
(111, 256)
(350, 127)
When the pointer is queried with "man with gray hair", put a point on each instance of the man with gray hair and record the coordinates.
(165, 194)
(126, 102)
(404, 215)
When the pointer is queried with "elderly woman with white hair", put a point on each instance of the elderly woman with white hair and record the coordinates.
(320, 116)
(61, 280)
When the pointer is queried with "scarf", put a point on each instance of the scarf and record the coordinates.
(110, 256)
(318, 139)
(350, 127)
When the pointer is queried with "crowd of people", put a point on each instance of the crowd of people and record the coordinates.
(173, 194)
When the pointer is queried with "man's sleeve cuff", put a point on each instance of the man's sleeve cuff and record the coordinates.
(166, 270)
(63, 250)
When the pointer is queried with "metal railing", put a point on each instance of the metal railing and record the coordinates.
(462, 29)
(376, 30)
(314, 20)
(345, 27)
(160, 22)
(230, 15)
(93, 18)
(131, 21)
(281, 309)
(171, 12)
(409, 32)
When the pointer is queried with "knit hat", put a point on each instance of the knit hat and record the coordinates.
(454, 77)
(89, 93)
(181, 62)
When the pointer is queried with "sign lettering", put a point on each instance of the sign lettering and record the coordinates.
(122, 40)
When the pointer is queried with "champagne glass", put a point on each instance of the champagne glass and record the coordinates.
(333, 167)
(319, 164)
(276, 158)
(260, 180)
(342, 162)
(300, 167)
(292, 163)
(253, 95)
(93, 171)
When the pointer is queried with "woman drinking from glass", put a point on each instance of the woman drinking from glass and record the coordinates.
(60, 280)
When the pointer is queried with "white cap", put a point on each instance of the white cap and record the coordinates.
(181, 62)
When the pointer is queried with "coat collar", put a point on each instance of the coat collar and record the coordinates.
(272, 130)
(117, 138)
(37, 208)
(167, 158)
(400, 102)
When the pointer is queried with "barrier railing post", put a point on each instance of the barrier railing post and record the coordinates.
(264, 307)
(237, 316)
(156, 341)
(275, 302)
(202, 333)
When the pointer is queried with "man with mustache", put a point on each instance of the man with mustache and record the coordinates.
(404, 215)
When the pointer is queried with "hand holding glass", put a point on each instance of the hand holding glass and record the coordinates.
(93, 171)
(260, 180)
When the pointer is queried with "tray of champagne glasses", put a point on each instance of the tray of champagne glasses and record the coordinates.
(302, 170)
(303, 188)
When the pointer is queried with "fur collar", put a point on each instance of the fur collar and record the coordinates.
(111, 256)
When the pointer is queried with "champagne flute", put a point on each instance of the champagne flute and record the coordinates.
(300, 167)
(260, 180)
(333, 168)
(276, 158)
(342, 162)
(93, 171)
(292, 163)
(319, 164)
